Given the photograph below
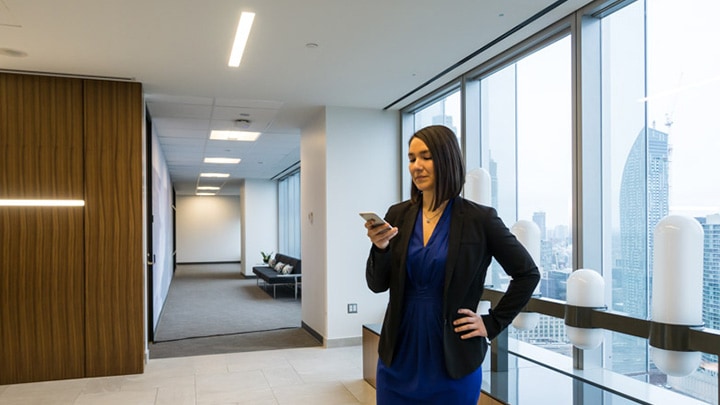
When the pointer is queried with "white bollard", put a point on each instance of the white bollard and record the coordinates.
(528, 233)
(677, 285)
(478, 188)
(585, 288)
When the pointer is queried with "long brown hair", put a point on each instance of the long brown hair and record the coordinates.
(447, 161)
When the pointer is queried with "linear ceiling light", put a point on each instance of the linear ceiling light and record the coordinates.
(234, 135)
(221, 175)
(241, 37)
(221, 160)
(204, 193)
(208, 188)
(42, 203)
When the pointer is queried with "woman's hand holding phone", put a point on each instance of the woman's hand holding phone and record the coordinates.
(379, 231)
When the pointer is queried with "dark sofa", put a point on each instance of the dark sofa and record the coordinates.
(272, 277)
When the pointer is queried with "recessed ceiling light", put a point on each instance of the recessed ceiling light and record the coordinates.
(204, 193)
(208, 188)
(241, 36)
(219, 175)
(234, 135)
(221, 160)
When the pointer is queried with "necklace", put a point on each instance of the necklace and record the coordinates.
(428, 219)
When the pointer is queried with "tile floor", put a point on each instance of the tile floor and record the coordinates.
(314, 375)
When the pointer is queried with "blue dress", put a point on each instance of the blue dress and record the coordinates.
(418, 374)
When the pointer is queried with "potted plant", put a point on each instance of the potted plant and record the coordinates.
(266, 256)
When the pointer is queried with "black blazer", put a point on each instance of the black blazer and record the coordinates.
(477, 235)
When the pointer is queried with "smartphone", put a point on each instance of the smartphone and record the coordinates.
(375, 217)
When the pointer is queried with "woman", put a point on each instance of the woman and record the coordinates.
(433, 255)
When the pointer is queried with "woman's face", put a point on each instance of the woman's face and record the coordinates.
(421, 166)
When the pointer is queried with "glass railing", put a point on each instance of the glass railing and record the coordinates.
(514, 358)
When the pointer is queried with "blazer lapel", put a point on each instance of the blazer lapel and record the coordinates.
(405, 229)
(456, 225)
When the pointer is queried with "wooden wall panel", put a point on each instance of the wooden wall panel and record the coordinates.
(113, 228)
(41, 294)
(71, 278)
(42, 280)
(41, 137)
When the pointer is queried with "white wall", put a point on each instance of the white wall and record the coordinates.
(364, 146)
(350, 161)
(259, 213)
(162, 229)
(313, 233)
(208, 229)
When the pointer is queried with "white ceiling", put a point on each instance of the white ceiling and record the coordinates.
(370, 54)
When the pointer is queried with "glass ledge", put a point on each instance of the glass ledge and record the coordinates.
(540, 376)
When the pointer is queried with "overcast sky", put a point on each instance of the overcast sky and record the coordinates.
(684, 81)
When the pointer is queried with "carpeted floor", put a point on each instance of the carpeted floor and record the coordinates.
(212, 309)
(235, 343)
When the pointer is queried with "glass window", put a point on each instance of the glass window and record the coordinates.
(289, 215)
(660, 79)
(445, 111)
(526, 118)
(683, 82)
(623, 128)
(526, 123)
(647, 146)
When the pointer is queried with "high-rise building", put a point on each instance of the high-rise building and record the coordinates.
(711, 275)
(446, 120)
(644, 196)
(492, 168)
(497, 277)
(546, 246)
(539, 219)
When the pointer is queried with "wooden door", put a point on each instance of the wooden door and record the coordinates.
(115, 334)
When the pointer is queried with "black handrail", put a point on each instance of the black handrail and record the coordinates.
(661, 335)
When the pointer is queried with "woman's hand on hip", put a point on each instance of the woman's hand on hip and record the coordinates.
(469, 324)
(380, 235)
